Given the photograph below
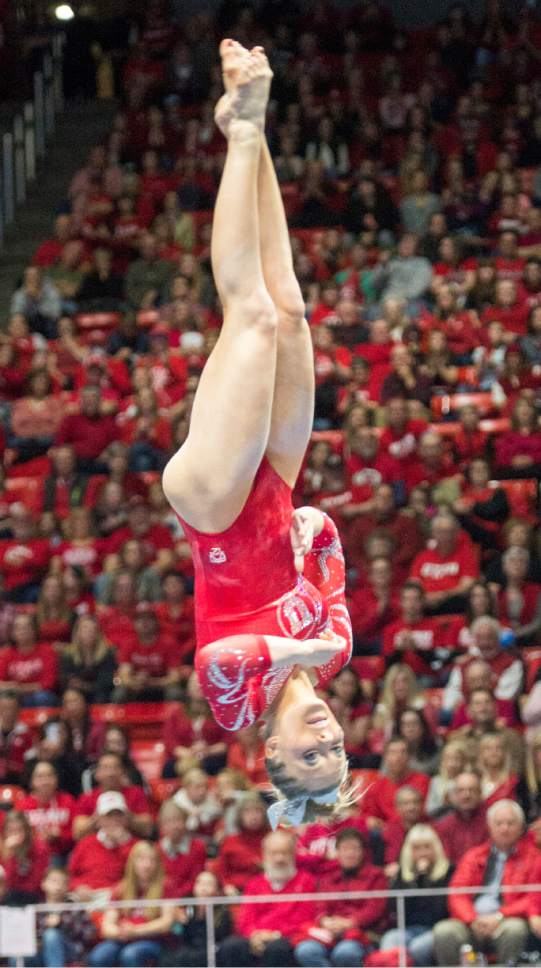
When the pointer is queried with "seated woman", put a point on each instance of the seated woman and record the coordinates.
(423, 866)
(519, 601)
(453, 760)
(25, 859)
(49, 810)
(498, 781)
(53, 614)
(518, 450)
(88, 663)
(354, 714)
(135, 936)
(192, 737)
(424, 750)
(266, 633)
(115, 740)
(240, 854)
(192, 950)
(400, 691)
(36, 417)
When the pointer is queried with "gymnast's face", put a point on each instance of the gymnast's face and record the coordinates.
(308, 741)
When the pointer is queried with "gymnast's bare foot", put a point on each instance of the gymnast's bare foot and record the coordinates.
(247, 100)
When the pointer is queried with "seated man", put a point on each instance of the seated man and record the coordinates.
(183, 856)
(338, 935)
(267, 932)
(97, 862)
(482, 713)
(415, 636)
(111, 778)
(149, 662)
(465, 826)
(495, 919)
(505, 664)
(409, 807)
(379, 802)
(447, 568)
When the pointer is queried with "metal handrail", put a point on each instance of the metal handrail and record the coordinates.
(210, 903)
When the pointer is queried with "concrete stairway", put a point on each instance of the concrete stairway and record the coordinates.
(82, 125)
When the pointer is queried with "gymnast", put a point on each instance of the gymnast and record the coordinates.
(271, 618)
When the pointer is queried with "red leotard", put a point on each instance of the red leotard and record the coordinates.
(246, 584)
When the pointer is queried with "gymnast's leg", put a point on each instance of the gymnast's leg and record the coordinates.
(209, 479)
(293, 404)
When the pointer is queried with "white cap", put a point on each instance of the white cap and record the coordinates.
(109, 801)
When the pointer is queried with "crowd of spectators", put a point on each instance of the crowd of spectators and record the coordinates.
(410, 167)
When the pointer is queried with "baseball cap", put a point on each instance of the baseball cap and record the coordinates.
(109, 801)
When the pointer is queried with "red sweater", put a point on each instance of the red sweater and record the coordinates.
(180, 730)
(379, 800)
(512, 444)
(459, 834)
(288, 918)
(58, 813)
(89, 436)
(27, 874)
(523, 866)
(96, 866)
(239, 858)
(365, 913)
(183, 868)
(39, 665)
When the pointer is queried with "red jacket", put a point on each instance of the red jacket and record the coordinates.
(27, 874)
(57, 813)
(96, 866)
(239, 858)
(316, 845)
(365, 913)
(523, 866)
(287, 917)
(379, 800)
(183, 868)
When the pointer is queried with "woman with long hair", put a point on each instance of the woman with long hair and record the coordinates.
(529, 788)
(88, 663)
(454, 759)
(25, 859)
(267, 633)
(53, 614)
(49, 810)
(424, 751)
(423, 865)
(400, 691)
(134, 936)
(498, 781)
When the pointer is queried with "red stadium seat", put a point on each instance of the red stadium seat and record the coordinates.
(447, 430)
(144, 720)
(149, 757)
(495, 425)
(38, 715)
(86, 321)
(469, 375)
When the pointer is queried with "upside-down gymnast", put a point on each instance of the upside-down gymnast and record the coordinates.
(271, 619)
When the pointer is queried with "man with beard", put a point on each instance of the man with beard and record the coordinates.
(268, 932)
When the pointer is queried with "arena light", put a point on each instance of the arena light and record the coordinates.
(64, 12)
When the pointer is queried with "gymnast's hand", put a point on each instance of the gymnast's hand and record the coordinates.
(317, 652)
(306, 523)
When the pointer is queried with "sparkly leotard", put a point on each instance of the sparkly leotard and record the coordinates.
(246, 584)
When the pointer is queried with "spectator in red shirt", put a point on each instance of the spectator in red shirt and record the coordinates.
(149, 665)
(65, 487)
(240, 854)
(29, 667)
(89, 432)
(247, 754)
(110, 777)
(481, 508)
(50, 249)
(409, 809)
(97, 862)
(401, 434)
(268, 932)
(448, 567)
(373, 607)
(384, 514)
(379, 802)
(465, 825)
(367, 466)
(191, 734)
(156, 539)
(519, 601)
(432, 468)
(15, 739)
(339, 935)
(49, 811)
(404, 379)
(176, 614)
(506, 665)
(470, 442)
(495, 920)
(183, 856)
(414, 636)
(518, 451)
(23, 557)
(25, 859)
